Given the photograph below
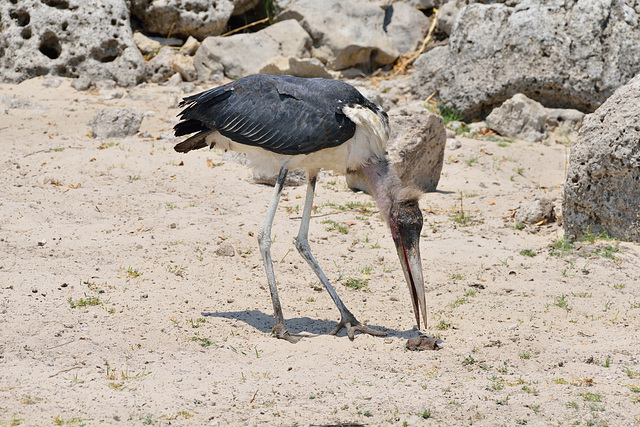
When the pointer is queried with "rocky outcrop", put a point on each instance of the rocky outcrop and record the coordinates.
(197, 18)
(345, 34)
(243, 54)
(71, 38)
(561, 53)
(602, 191)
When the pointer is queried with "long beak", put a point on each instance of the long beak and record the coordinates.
(409, 254)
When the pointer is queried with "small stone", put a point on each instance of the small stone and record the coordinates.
(453, 144)
(42, 242)
(422, 343)
(225, 249)
(81, 83)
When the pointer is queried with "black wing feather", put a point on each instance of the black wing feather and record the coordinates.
(282, 114)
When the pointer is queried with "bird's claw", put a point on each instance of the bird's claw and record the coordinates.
(353, 325)
(282, 333)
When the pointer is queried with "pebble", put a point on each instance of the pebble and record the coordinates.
(453, 144)
(512, 327)
(42, 242)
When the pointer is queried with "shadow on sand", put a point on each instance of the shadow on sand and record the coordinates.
(297, 325)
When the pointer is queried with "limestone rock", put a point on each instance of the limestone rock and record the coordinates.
(146, 45)
(185, 66)
(243, 54)
(300, 67)
(69, 38)
(344, 33)
(116, 123)
(564, 119)
(407, 27)
(540, 210)
(415, 149)
(242, 6)
(190, 46)
(519, 117)
(562, 53)
(602, 191)
(159, 68)
(197, 18)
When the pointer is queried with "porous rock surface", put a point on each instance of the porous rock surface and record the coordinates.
(116, 123)
(602, 191)
(70, 38)
(561, 53)
(197, 18)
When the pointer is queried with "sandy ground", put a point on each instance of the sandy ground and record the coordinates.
(118, 304)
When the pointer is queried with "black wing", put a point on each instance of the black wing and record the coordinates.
(283, 114)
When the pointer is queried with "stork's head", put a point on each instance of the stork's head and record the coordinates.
(398, 204)
(405, 222)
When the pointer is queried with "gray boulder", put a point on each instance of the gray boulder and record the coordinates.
(415, 149)
(345, 34)
(116, 123)
(68, 38)
(562, 53)
(243, 54)
(197, 18)
(564, 120)
(407, 27)
(602, 191)
(519, 117)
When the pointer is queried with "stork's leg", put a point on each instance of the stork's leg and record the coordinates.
(347, 319)
(264, 241)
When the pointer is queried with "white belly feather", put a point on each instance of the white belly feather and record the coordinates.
(369, 141)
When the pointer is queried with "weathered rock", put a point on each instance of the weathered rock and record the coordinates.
(190, 46)
(185, 66)
(540, 210)
(564, 120)
(68, 38)
(415, 149)
(243, 54)
(447, 16)
(429, 68)
(562, 53)
(197, 18)
(453, 144)
(407, 27)
(116, 123)
(159, 68)
(81, 83)
(300, 67)
(242, 6)
(146, 45)
(344, 33)
(602, 191)
(225, 249)
(519, 117)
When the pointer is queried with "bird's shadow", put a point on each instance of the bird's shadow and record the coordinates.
(296, 325)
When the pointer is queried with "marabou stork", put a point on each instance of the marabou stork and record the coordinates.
(284, 123)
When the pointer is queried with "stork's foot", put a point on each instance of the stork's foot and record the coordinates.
(281, 332)
(352, 325)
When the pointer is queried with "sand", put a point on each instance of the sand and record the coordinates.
(120, 302)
